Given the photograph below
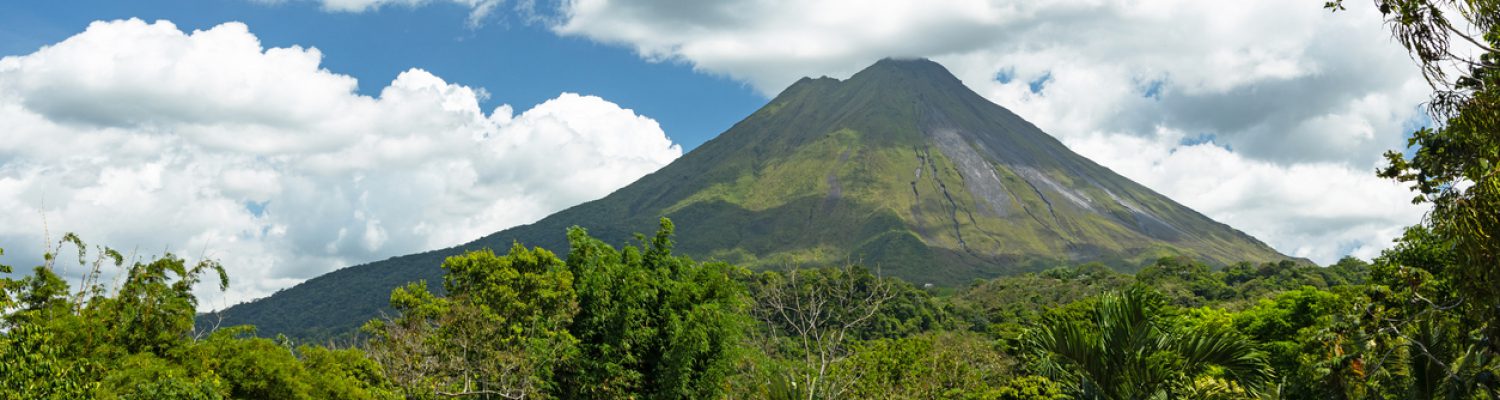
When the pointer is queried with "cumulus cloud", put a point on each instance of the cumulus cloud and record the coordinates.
(1290, 97)
(1279, 80)
(1321, 211)
(140, 136)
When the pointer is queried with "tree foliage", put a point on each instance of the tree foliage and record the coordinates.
(640, 322)
(136, 340)
(498, 333)
(931, 365)
(1126, 349)
(1455, 165)
(651, 324)
(631, 323)
(1429, 323)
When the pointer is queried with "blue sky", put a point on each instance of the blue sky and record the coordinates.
(195, 126)
(518, 63)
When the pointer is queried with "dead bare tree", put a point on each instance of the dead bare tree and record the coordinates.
(819, 311)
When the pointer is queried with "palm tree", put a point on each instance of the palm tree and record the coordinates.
(1122, 350)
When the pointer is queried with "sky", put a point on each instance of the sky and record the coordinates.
(289, 138)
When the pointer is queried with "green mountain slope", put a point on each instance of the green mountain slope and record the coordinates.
(901, 167)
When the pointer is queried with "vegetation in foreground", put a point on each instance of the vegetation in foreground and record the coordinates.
(640, 322)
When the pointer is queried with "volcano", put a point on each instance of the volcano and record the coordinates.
(900, 168)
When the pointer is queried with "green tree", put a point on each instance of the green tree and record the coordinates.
(1455, 165)
(1348, 271)
(931, 365)
(1290, 328)
(144, 376)
(500, 331)
(344, 374)
(1030, 387)
(1126, 349)
(1435, 297)
(1413, 334)
(153, 311)
(650, 324)
(58, 343)
(35, 364)
(1004, 306)
(1187, 281)
(254, 368)
(136, 341)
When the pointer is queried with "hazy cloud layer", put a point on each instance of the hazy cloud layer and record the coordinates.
(141, 136)
(1276, 110)
(478, 9)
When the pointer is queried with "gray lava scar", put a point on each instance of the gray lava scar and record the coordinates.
(978, 174)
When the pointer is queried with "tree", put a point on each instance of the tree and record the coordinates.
(1292, 328)
(145, 376)
(1413, 334)
(650, 324)
(254, 368)
(34, 363)
(930, 365)
(636, 323)
(1003, 306)
(819, 312)
(498, 333)
(59, 343)
(1030, 387)
(1124, 349)
(1455, 165)
(344, 374)
(136, 341)
(153, 311)
(1436, 295)
(1192, 283)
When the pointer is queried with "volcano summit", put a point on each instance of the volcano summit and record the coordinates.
(900, 167)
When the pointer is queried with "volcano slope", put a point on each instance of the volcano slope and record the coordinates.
(900, 168)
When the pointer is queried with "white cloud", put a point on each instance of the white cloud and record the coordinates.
(1322, 211)
(1299, 95)
(143, 137)
(478, 9)
(1253, 73)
